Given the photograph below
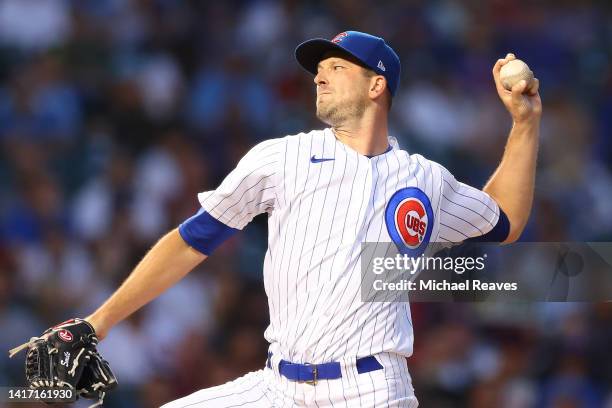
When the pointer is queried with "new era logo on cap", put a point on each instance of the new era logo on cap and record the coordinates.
(372, 51)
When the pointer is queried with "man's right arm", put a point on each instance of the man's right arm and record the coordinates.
(170, 259)
(250, 189)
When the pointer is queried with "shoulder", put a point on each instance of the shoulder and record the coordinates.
(425, 170)
(417, 160)
(281, 143)
(412, 159)
(300, 144)
(268, 145)
(423, 161)
(309, 136)
(277, 150)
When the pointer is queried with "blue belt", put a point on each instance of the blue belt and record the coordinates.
(311, 373)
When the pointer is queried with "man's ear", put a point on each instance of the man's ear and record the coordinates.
(378, 85)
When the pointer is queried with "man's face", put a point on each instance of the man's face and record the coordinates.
(342, 89)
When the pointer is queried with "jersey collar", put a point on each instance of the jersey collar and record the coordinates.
(392, 144)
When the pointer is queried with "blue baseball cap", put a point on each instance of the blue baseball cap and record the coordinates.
(372, 51)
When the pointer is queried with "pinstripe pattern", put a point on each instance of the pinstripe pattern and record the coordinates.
(247, 391)
(319, 214)
(389, 387)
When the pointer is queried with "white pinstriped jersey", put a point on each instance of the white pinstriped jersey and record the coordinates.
(319, 213)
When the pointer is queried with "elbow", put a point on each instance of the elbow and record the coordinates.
(517, 216)
(517, 226)
(512, 237)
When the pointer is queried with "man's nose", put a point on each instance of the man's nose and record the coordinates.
(320, 78)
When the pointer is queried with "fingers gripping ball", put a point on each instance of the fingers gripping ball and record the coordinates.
(65, 356)
(513, 72)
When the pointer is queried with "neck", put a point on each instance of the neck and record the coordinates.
(366, 135)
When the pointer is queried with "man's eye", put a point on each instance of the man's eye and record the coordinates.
(337, 67)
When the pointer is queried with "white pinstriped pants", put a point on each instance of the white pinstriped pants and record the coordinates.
(266, 388)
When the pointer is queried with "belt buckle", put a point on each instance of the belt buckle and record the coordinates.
(315, 374)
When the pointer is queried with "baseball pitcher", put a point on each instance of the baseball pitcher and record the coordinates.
(326, 192)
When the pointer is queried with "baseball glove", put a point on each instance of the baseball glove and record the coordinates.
(65, 356)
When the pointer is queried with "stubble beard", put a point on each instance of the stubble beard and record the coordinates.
(336, 114)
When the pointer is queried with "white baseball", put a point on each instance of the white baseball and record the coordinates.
(513, 72)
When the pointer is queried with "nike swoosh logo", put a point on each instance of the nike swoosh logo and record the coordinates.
(315, 160)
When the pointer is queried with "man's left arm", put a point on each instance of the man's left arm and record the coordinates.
(512, 183)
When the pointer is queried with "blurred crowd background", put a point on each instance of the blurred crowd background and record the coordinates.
(115, 113)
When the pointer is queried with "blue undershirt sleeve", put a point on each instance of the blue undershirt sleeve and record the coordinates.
(499, 233)
(204, 232)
